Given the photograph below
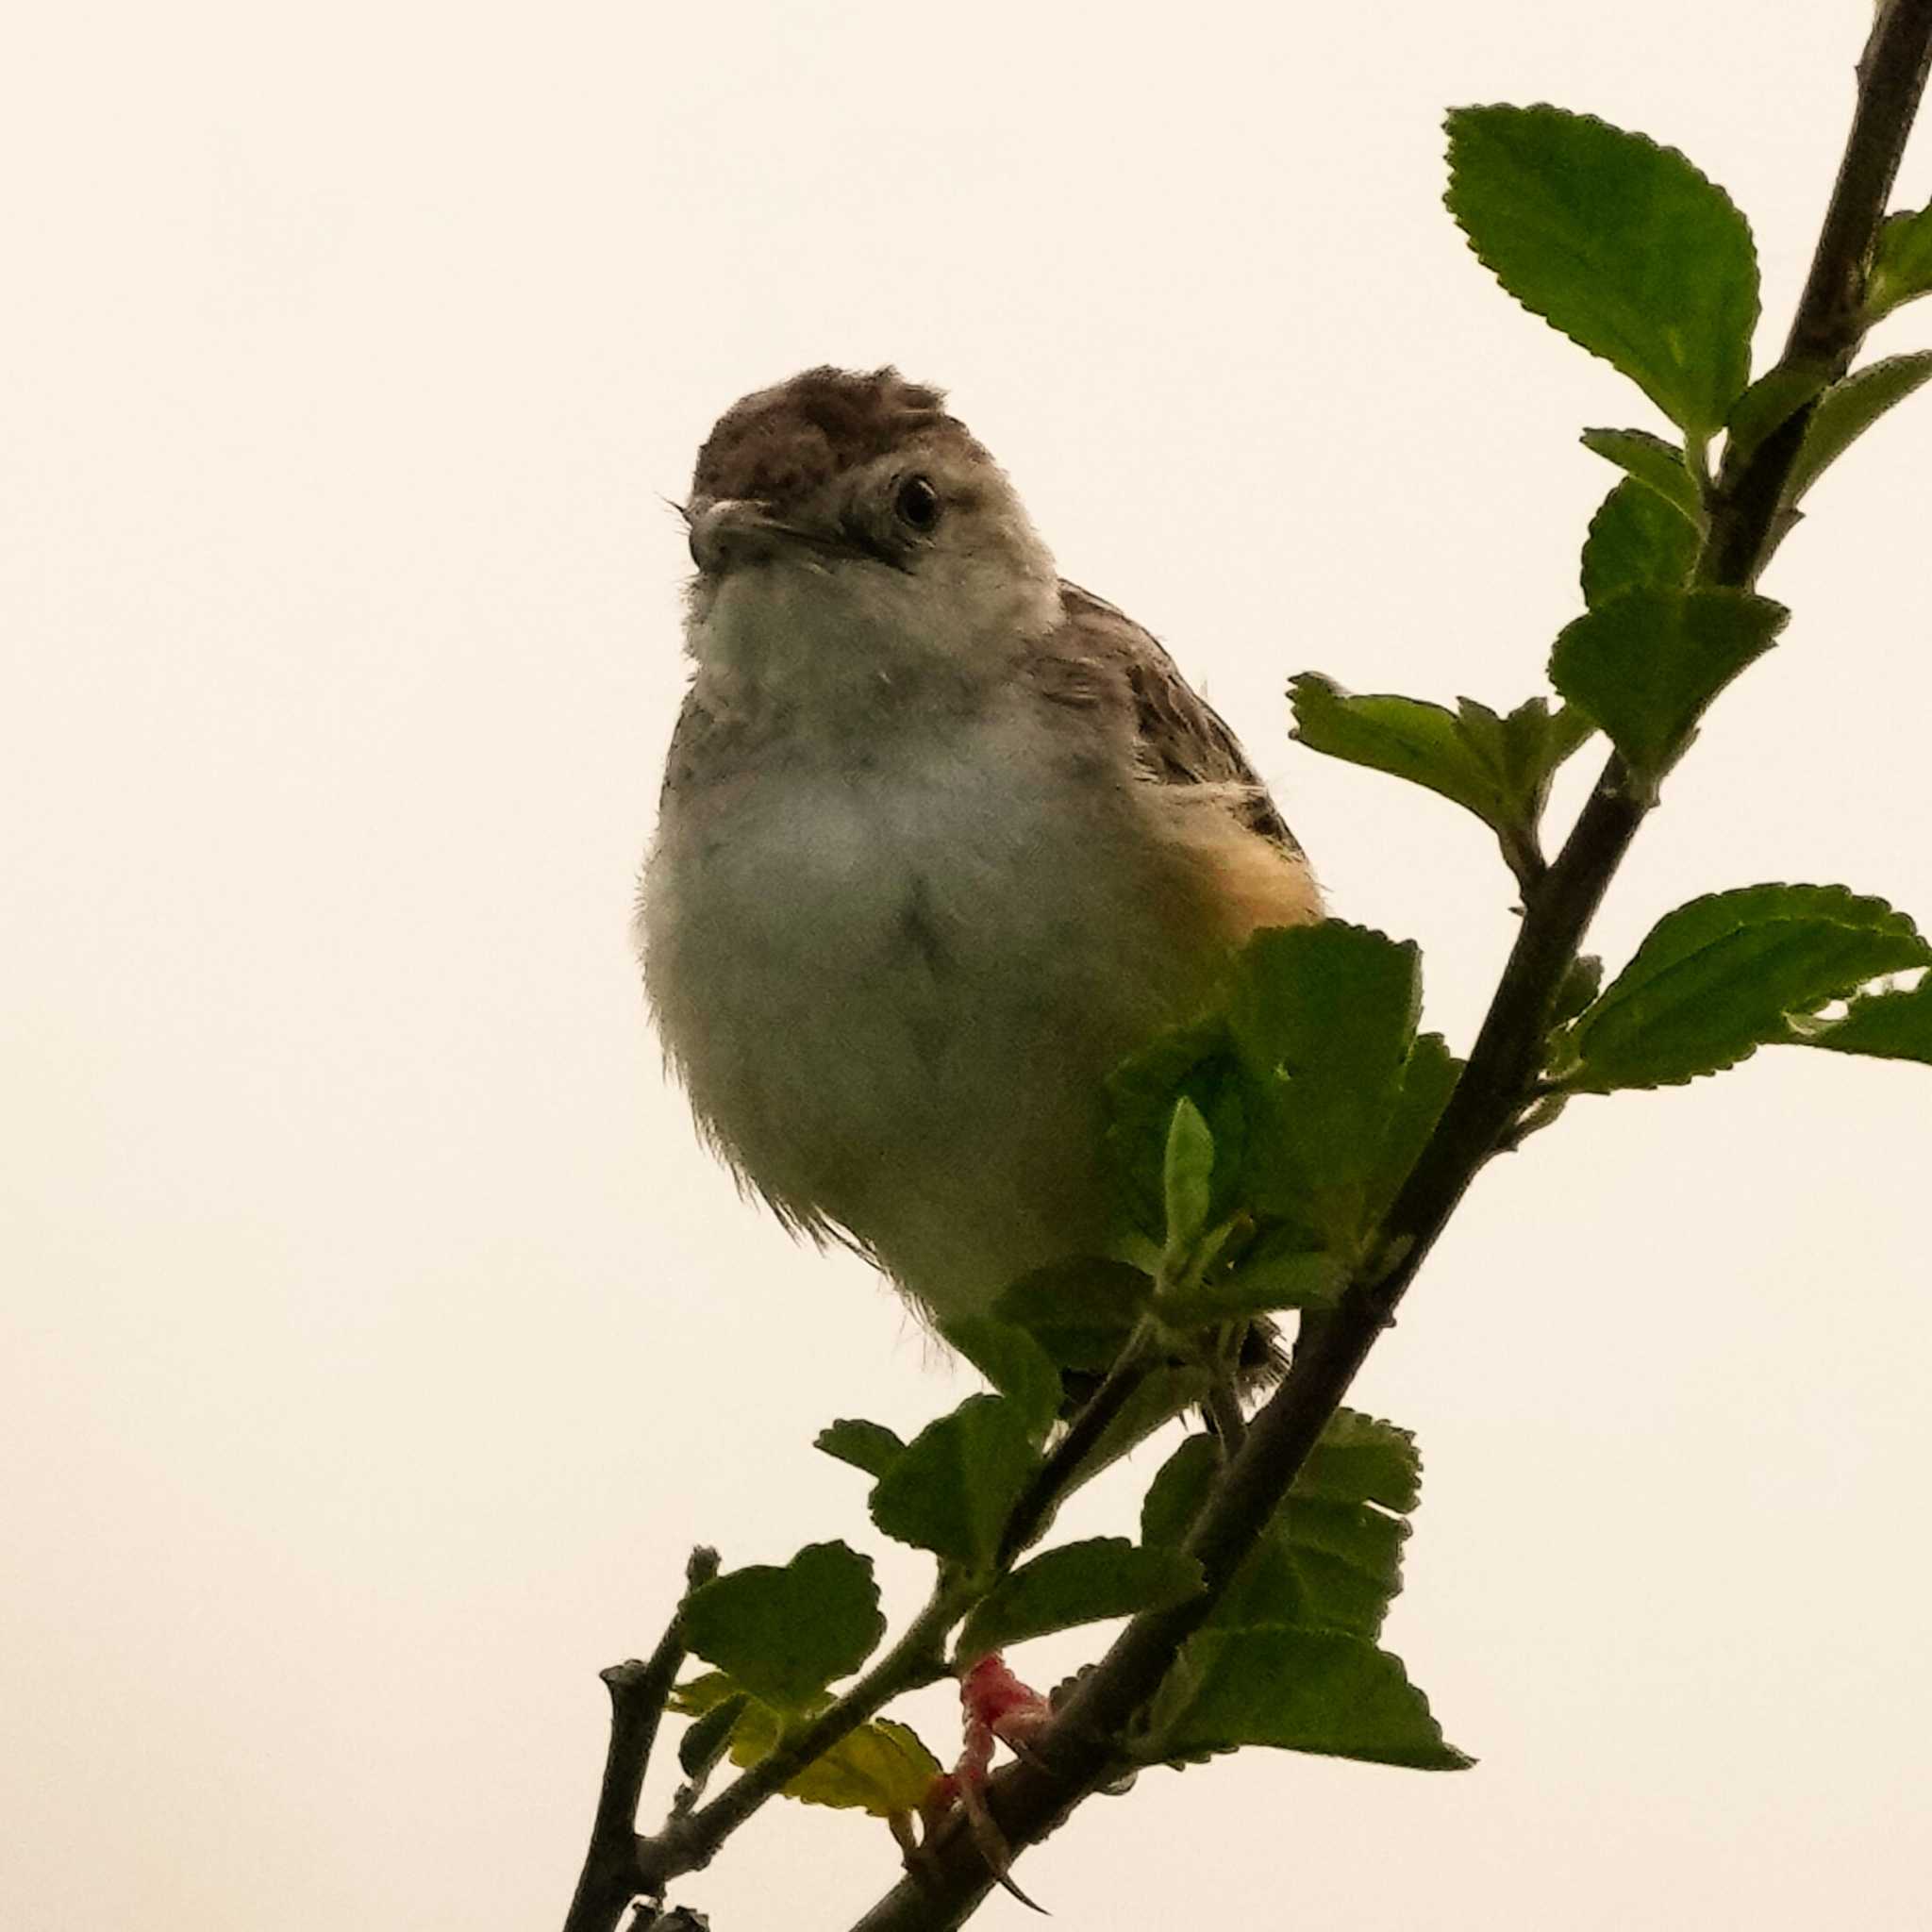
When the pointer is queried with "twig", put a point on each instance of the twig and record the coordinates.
(610, 1877)
(1077, 1751)
(687, 1843)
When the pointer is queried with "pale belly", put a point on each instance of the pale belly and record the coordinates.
(894, 995)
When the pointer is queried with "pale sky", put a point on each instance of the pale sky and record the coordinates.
(377, 1340)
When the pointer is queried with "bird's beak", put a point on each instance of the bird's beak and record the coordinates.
(733, 531)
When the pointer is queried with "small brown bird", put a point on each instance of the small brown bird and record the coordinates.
(942, 838)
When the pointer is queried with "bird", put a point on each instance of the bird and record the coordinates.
(942, 838)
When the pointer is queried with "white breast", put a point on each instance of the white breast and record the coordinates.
(894, 985)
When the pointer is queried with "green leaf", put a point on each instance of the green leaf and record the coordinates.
(880, 1768)
(1188, 1174)
(1332, 1557)
(1891, 1025)
(1284, 1275)
(1319, 1690)
(1081, 1312)
(1014, 1363)
(1637, 541)
(1769, 403)
(1725, 975)
(1196, 1063)
(960, 1478)
(1078, 1583)
(1360, 1458)
(1428, 1081)
(704, 1742)
(784, 1633)
(1178, 1489)
(1498, 767)
(1657, 464)
(1617, 242)
(1646, 665)
(1849, 408)
(1323, 1017)
(1582, 981)
(870, 1446)
(1901, 263)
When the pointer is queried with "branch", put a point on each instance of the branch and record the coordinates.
(1078, 1751)
(687, 1843)
(610, 1879)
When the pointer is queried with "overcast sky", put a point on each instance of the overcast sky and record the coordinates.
(377, 1338)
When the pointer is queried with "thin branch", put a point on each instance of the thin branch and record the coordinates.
(1078, 1750)
(610, 1877)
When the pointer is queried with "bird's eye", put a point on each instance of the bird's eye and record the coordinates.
(918, 504)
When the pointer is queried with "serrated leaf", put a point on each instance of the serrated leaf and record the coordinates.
(1428, 1081)
(1657, 465)
(1361, 1458)
(785, 1632)
(1637, 541)
(704, 1739)
(1496, 767)
(1320, 1691)
(1892, 1026)
(1014, 1363)
(1178, 1489)
(1849, 408)
(1081, 1312)
(1283, 1277)
(958, 1479)
(1901, 263)
(1646, 665)
(1621, 244)
(1323, 1017)
(880, 1768)
(1078, 1583)
(870, 1446)
(1767, 406)
(1724, 974)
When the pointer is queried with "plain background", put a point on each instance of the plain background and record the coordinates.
(377, 1338)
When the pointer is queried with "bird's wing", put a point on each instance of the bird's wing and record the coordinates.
(1179, 737)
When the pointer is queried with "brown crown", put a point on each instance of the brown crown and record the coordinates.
(782, 443)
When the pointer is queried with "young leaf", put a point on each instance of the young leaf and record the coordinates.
(1849, 408)
(1178, 1489)
(1078, 1583)
(1013, 1362)
(704, 1742)
(1637, 541)
(1617, 242)
(1724, 975)
(1298, 1690)
(1771, 401)
(1887, 1025)
(1187, 1177)
(880, 1768)
(1499, 768)
(959, 1476)
(1194, 1062)
(1284, 1276)
(1657, 464)
(1901, 263)
(1646, 665)
(870, 1446)
(784, 1633)
(1081, 1312)
(1323, 1017)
